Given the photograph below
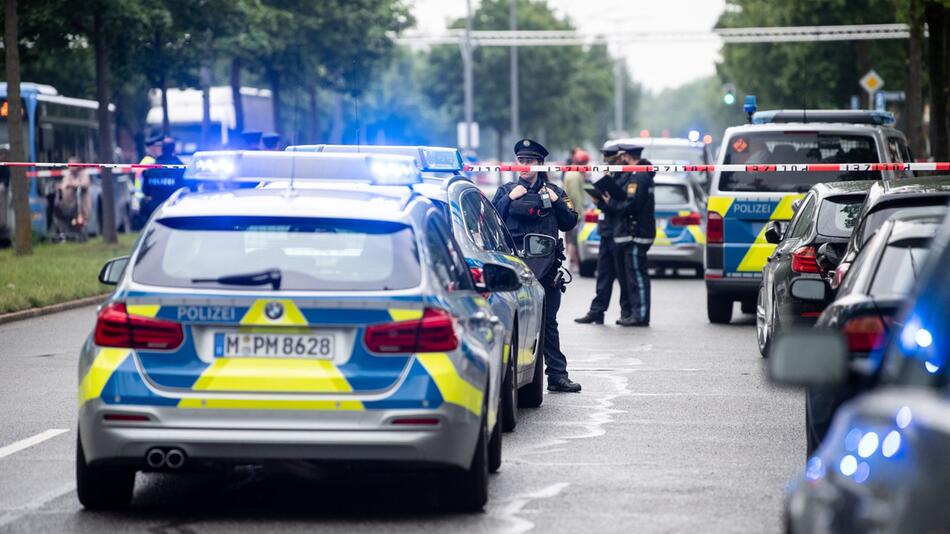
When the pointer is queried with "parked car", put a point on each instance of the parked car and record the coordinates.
(826, 215)
(885, 465)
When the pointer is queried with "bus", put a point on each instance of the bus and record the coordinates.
(55, 128)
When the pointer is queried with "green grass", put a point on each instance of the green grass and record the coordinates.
(56, 272)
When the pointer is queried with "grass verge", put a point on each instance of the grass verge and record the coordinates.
(56, 272)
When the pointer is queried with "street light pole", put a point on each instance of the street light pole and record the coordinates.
(515, 127)
(618, 94)
(467, 65)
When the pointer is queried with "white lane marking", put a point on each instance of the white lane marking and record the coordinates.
(509, 511)
(30, 441)
(43, 500)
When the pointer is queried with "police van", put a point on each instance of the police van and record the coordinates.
(742, 203)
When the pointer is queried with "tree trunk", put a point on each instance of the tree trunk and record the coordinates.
(274, 78)
(23, 238)
(205, 75)
(236, 95)
(314, 117)
(863, 63)
(166, 122)
(336, 132)
(914, 103)
(937, 22)
(107, 224)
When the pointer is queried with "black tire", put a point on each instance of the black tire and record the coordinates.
(532, 395)
(509, 388)
(719, 308)
(494, 448)
(102, 488)
(588, 268)
(700, 272)
(747, 306)
(468, 489)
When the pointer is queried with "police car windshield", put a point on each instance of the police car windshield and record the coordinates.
(656, 153)
(758, 148)
(670, 194)
(310, 254)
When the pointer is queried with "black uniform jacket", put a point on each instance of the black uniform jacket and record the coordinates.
(632, 219)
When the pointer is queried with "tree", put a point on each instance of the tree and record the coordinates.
(18, 181)
(937, 15)
(696, 105)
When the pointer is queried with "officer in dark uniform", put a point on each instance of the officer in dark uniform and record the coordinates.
(606, 253)
(531, 205)
(634, 233)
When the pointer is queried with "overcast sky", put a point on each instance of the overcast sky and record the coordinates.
(656, 66)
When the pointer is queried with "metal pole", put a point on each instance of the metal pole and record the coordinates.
(515, 126)
(618, 94)
(467, 64)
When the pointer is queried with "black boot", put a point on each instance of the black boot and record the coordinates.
(564, 385)
(631, 321)
(591, 318)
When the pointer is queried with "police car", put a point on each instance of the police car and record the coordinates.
(742, 203)
(483, 238)
(269, 324)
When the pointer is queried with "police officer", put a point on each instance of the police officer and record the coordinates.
(531, 205)
(606, 253)
(634, 233)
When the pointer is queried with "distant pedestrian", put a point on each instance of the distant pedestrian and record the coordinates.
(574, 187)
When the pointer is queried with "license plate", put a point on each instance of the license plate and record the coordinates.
(317, 346)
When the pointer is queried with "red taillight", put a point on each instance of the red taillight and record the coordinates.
(714, 231)
(434, 332)
(691, 219)
(116, 328)
(805, 260)
(840, 271)
(865, 334)
(124, 417)
(591, 216)
(416, 421)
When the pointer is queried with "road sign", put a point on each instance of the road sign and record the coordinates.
(872, 82)
(462, 132)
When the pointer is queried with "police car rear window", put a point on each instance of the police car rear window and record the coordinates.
(766, 148)
(670, 194)
(309, 254)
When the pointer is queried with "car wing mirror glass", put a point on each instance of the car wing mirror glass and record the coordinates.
(828, 257)
(808, 357)
(538, 246)
(773, 233)
(111, 272)
(810, 289)
(500, 278)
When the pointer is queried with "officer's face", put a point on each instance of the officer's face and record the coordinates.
(528, 176)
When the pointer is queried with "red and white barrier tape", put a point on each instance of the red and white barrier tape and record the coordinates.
(56, 168)
(782, 167)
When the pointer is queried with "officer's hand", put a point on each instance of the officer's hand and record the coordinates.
(518, 192)
(551, 194)
(606, 196)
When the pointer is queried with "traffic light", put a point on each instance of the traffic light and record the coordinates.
(728, 94)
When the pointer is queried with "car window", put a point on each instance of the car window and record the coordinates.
(446, 260)
(860, 263)
(503, 241)
(899, 266)
(475, 216)
(899, 153)
(837, 217)
(311, 254)
(876, 219)
(803, 222)
(767, 148)
(670, 194)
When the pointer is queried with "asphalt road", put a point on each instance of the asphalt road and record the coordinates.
(676, 430)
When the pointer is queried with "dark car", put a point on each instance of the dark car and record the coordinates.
(885, 198)
(885, 464)
(826, 215)
(865, 308)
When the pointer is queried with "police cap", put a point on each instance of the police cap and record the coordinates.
(630, 148)
(154, 139)
(609, 149)
(526, 148)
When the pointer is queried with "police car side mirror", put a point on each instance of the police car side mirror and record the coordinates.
(773, 233)
(538, 246)
(809, 357)
(500, 278)
(111, 272)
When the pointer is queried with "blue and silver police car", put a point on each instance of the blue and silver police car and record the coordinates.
(269, 324)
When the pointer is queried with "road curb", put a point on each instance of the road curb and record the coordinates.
(52, 308)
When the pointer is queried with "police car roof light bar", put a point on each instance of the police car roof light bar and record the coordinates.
(260, 166)
(849, 116)
(429, 158)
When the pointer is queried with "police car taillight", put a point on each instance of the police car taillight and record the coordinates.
(714, 229)
(690, 219)
(591, 216)
(116, 328)
(434, 332)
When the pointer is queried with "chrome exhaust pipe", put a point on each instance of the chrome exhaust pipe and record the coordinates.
(174, 458)
(155, 458)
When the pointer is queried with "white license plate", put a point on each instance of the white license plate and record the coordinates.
(316, 346)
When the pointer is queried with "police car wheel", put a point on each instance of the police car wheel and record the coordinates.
(532, 395)
(102, 488)
(494, 449)
(509, 388)
(468, 489)
(719, 308)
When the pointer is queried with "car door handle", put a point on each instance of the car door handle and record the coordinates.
(482, 317)
(527, 276)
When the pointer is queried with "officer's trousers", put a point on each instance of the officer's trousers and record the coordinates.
(608, 263)
(632, 271)
(555, 362)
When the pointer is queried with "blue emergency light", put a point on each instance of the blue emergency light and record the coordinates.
(429, 158)
(848, 116)
(750, 106)
(235, 166)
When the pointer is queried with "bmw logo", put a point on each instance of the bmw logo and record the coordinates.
(274, 310)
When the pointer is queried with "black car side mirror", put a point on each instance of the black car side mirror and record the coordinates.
(809, 357)
(500, 278)
(773, 233)
(539, 246)
(810, 290)
(111, 272)
(828, 257)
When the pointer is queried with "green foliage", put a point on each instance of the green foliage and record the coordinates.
(695, 105)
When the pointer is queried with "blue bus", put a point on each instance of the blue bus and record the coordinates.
(56, 128)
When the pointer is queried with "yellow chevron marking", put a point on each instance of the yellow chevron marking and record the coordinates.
(272, 374)
(784, 211)
(143, 310)
(525, 356)
(661, 237)
(720, 205)
(697, 233)
(291, 317)
(454, 389)
(586, 231)
(404, 314)
(504, 353)
(268, 404)
(105, 363)
(755, 258)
